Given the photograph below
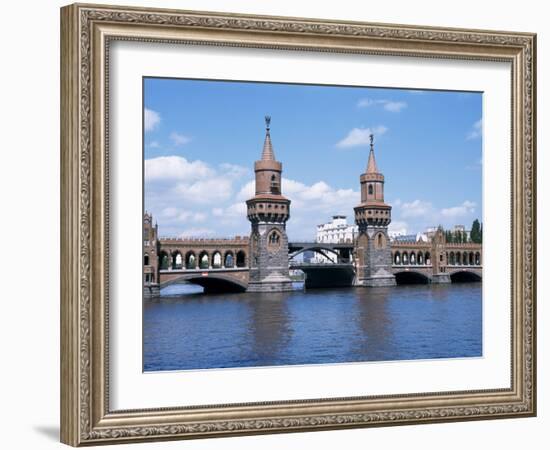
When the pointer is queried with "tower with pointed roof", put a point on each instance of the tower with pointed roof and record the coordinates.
(268, 212)
(372, 216)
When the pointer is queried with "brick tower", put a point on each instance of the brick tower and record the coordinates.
(268, 212)
(372, 215)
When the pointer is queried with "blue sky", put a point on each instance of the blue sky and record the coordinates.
(201, 139)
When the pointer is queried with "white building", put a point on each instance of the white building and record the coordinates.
(337, 231)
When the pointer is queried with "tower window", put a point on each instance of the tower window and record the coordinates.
(371, 190)
(275, 187)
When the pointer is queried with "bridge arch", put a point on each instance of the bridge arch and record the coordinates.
(320, 248)
(411, 277)
(213, 283)
(465, 276)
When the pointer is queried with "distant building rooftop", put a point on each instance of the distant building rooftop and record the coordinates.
(405, 238)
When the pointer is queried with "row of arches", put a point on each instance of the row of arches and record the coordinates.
(412, 258)
(204, 260)
(423, 258)
(464, 258)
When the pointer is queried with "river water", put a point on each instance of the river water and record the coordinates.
(185, 329)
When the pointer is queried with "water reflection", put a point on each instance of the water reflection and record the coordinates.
(268, 328)
(187, 330)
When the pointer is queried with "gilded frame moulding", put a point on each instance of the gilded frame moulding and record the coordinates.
(86, 31)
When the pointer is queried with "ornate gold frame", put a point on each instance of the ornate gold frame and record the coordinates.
(86, 31)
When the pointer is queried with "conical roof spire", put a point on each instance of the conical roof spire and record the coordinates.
(267, 153)
(371, 165)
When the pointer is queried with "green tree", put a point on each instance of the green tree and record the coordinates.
(475, 234)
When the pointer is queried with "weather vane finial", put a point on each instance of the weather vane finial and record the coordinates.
(267, 122)
(371, 136)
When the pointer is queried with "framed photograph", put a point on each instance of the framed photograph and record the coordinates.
(276, 224)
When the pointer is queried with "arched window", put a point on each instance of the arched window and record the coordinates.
(177, 261)
(228, 260)
(405, 258)
(396, 258)
(164, 261)
(146, 259)
(216, 260)
(203, 260)
(241, 259)
(190, 261)
(478, 259)
(371, 190)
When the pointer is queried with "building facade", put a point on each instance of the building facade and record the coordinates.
(268, 212)
(337, 231)
(372, 216)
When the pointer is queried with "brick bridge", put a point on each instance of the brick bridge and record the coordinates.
(221, 265)
(218, 265)
(261, 262)
(411, 263)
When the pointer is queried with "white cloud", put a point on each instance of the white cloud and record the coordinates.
(151, 119)
(197, 232)
(365, 103)
(179, 139)
(174, 168)
(476, 131)
(394, 106)
(234, 171)
(360, 136)
(419, 214)
(398, 226)
(181, 192)
(456, 212)
(388, 105)
(174, 215)
(247, 191)
(205, 191)
(170, 212)
(416, 208)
